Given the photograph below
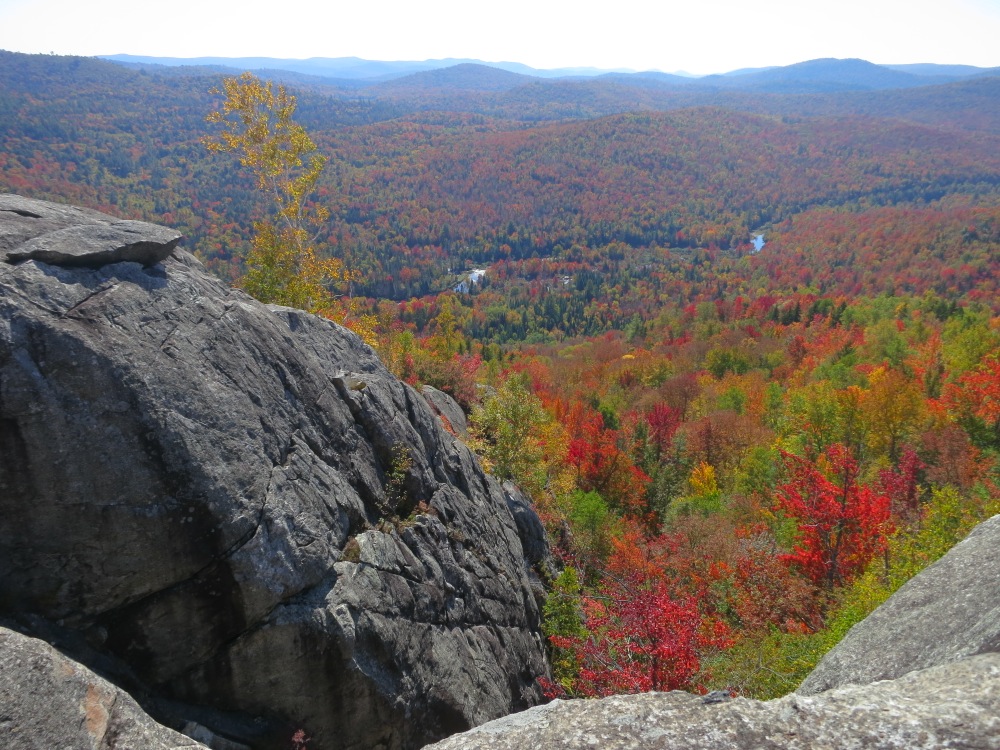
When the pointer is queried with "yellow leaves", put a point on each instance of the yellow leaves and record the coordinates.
(702, 480)
(257, 125)
(893, 406)
(282, 266)
(560, 475)
(366, 326)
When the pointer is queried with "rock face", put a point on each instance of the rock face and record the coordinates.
(48, 701)
(951, 706)
(447, 409)
(241, 507)
(933, 647)
(948, 611)
(67, 236)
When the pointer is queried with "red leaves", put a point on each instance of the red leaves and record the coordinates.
(757, 590)
(663, 421)
(901, 486)
(643, 632)
(951, 457)
(842, 524)
(642, 639)
(601, 465)
(977, 394)
(648, 640)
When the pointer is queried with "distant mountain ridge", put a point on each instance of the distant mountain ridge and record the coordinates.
(465, 76)
(825, 75)
(353, 68)
(829, 75)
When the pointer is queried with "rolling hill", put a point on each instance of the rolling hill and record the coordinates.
(472, 164)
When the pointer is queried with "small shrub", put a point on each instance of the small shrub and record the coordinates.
(395, 484)
(351, 551)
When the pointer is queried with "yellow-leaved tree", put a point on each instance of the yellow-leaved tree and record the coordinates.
(282, 266)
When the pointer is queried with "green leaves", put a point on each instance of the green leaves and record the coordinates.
(508, 424)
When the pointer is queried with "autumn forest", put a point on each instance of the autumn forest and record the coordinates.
(741, 346)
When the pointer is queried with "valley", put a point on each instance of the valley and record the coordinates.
(737, 450)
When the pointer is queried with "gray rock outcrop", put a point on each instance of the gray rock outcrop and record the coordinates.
(48, 701)
(241, 507)
(69, 236)
(951, 706)
(948, 611)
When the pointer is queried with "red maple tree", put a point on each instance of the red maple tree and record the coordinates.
(643, 632)
(842, 524)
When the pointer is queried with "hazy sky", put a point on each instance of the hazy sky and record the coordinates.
(699, 36)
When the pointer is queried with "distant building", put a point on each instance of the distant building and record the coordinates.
(475, 278)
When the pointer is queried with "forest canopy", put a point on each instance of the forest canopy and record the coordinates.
(737, 450)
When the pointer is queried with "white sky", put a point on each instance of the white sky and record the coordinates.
(699, 36)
